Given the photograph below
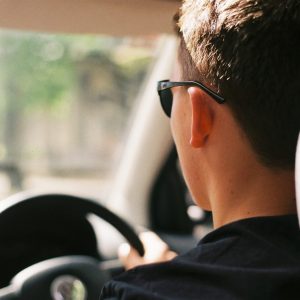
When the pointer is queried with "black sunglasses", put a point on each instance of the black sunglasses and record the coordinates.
(166, 96)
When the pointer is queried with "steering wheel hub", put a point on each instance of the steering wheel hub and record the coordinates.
(69, 277)
(68, 287)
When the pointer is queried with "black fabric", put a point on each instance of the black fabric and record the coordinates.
(255, 258)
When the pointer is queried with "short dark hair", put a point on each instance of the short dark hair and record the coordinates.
(249, 50)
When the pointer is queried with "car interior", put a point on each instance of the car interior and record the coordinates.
(87, 159)
(68, 203)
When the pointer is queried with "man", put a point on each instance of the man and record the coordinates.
(235, 128)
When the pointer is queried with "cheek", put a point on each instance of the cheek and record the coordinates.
(188, 156)
(194, 176)
(180, 122)
(180, 126)
(196, 182)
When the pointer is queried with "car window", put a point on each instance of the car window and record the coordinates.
(66, 103)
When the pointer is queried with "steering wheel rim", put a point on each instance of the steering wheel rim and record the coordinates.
(39, 273)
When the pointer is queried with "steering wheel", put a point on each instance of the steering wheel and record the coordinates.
(76, 277)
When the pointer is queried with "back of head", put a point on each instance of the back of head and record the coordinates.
(249, 51)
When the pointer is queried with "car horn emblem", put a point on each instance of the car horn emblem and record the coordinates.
(68, 288)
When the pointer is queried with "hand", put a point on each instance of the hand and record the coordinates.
(155, 251)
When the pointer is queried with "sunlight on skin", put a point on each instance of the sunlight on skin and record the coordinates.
(155, 251)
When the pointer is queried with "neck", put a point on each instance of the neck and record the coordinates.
(237, 185)
(260, 192)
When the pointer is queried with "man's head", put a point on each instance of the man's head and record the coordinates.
(248, 51)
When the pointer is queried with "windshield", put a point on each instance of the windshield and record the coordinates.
(66, 103)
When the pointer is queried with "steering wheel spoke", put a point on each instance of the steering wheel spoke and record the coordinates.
(75, 277)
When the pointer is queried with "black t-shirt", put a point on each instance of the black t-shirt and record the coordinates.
(255, 258)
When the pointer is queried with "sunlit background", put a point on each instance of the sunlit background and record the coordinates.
(65, 107)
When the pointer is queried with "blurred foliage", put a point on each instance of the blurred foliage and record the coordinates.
(135, 68)
(40, 70)
(65, 100)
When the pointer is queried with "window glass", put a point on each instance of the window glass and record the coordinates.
(65, 108)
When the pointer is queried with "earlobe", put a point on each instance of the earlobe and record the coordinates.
(202, 118)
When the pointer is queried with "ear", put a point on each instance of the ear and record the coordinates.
(202, 117)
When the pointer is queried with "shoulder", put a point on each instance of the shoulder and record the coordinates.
(145, 282)
(251, 258)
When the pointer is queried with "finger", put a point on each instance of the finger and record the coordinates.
(155, 248)
(129, 256)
